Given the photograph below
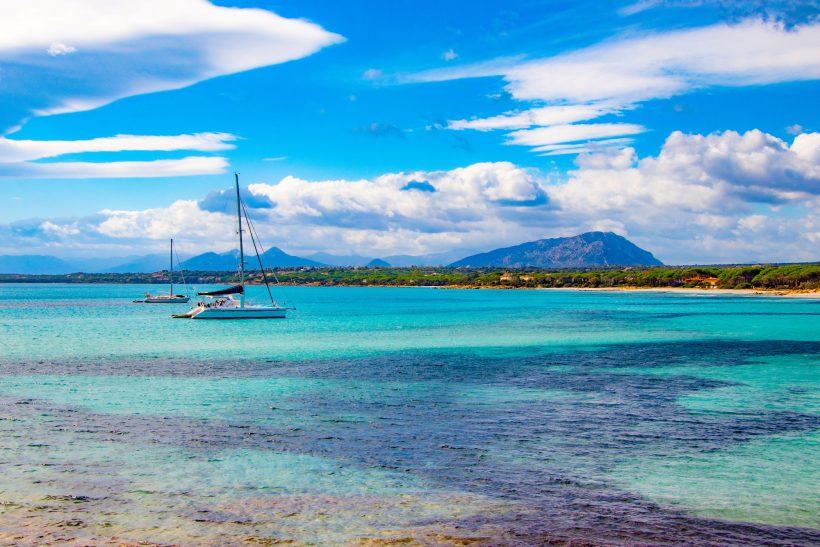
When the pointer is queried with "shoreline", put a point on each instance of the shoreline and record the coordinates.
(790, 293)
(809, 294)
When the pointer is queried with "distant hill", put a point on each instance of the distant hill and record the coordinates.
(35, 264)
(584, 250)
(398, 261)
(147, 263)
(378, 263)
(272, 258)
(340, 260)
(210, 261)
(435, 259)
(277, 258)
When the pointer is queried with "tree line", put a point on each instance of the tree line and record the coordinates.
(790, 276)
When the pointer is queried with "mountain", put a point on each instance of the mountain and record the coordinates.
(435, 259)
(142, 264)
(399, 261)
(210, 261)
(589, 249)
(35, 264)
(277, 258)
(378, 263)
(45, 264)
(340, 260)
(226, 262)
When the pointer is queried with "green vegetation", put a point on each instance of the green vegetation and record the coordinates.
(765, 277)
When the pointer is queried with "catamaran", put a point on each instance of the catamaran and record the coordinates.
(169, 298)
(230, 303)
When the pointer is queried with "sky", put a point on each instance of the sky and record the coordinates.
(379, 128)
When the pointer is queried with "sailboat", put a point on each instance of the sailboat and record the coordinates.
(230, 303)
(169, 298)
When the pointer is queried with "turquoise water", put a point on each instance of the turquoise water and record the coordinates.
(410, 415)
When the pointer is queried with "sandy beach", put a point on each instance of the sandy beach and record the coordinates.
(811, 294)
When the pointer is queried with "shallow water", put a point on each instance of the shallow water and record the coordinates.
(435, 416)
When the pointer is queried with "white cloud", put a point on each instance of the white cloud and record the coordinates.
(542, 136)
(613, 76)
(12, 150)
(725, 197)
(121, 49)
(547, 115)
(182, 216)
(372, 74)
(61, 230)
(794, 129)
(183, 167)
(16, 156)
(638, 7)
(449, 55)
(57, 49)
(74, 55)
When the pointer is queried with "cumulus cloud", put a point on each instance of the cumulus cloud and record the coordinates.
(614, 76)
(725, 197)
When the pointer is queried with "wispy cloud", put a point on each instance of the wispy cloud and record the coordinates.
(12, 150)
(75, 56)
(372, 74)
(449, 55)
(17, 156)
(614, 76)
(567, 133)
(129, 48)
(182, 167)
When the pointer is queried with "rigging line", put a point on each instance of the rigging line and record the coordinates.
(252, 227)
(272, 271)
(256, 250)
(181, 272)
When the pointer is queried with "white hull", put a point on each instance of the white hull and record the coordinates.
(229, 312)
(166, 299)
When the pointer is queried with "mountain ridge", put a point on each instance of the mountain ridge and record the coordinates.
(583, 250)
(588, 249)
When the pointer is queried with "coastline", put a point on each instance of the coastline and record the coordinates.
(809, 294)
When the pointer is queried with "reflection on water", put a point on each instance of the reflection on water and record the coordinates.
(446, 417)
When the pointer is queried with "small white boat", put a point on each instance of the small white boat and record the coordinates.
(230, 303)
(164, 299)
(169, 298)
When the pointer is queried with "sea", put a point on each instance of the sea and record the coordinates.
(410, 416)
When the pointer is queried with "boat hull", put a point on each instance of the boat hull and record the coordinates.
(166, 300)
(255, 312)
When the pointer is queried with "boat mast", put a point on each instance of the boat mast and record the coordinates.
(171, 271)
(241, 250)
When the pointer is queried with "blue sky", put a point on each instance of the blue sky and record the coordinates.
(686, 126)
